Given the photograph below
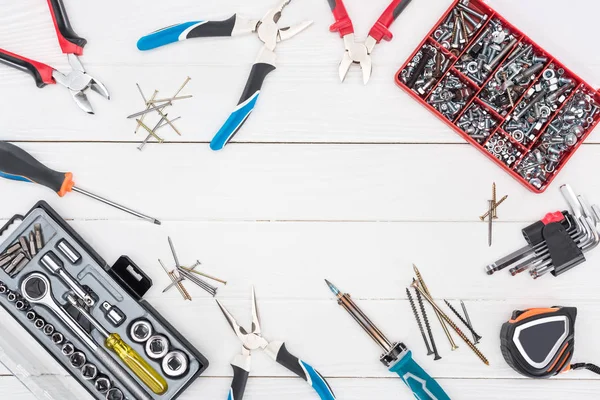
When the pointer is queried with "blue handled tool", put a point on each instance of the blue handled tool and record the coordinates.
(276, 350)
(268, 32)
(396, 356)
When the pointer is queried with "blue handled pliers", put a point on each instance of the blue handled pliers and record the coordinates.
(268, 32)
(276, 350)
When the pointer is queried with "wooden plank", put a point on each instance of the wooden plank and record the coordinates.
(382, 389)
(303, 182)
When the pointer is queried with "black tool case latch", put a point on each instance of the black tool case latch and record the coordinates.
(130, 277)
(552, 230)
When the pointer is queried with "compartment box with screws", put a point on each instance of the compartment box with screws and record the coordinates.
(501, 92)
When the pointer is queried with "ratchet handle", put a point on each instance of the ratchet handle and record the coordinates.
(18, 165)
(343, 23)
(423, 386)
(381, 28)
(41, 73)
(279, 353)
(137, 364)
(69, 41)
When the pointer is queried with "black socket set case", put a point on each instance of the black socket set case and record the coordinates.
(123, 286)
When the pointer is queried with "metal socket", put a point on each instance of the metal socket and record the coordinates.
(68, 251)
(175, 364)
(157, 347)
(141, 330)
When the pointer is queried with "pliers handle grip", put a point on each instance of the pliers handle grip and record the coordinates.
(343, 23)
(69, 41)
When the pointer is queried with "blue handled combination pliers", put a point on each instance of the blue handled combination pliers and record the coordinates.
(268, 32)
(276, 350)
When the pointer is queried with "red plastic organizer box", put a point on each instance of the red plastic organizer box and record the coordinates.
(501, 92)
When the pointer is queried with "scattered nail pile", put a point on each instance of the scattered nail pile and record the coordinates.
(158, 106)
(181, 273)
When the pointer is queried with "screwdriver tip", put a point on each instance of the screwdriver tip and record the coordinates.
(157, 222)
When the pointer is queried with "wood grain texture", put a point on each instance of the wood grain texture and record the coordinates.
(326, 180)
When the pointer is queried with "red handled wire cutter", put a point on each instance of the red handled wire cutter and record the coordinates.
(76, 80)
(360, 52)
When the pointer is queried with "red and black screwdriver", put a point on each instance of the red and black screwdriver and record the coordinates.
(18, 165)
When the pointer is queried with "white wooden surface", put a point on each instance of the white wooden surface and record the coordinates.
(346, 182)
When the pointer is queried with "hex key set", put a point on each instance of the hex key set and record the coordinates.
(558, 242)
(89, 316)
(501, 92)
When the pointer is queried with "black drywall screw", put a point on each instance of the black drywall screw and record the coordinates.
(475, 335)
(416, 314)
(422, 307)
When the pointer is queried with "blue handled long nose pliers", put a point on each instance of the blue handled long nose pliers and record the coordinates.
(268, 32)
(276, 350)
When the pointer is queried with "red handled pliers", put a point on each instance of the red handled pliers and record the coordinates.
(360, 52)
(76, 80)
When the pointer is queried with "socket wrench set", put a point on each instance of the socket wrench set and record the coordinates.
(89, 316)
(501, 92)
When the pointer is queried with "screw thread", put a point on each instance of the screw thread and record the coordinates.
(494, 214)
(467, 341)
(416, 314)
(460, 317)
(427, 325)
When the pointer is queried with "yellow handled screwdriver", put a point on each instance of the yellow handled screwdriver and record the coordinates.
(129, 356)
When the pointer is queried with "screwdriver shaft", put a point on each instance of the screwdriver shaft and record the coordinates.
(115, 205)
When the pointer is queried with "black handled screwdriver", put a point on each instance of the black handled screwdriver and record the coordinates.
(18, 165)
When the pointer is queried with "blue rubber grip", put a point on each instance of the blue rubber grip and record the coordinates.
(318, 383)
(165, 36)
(234, 123)
(423, 386)
(14, 177)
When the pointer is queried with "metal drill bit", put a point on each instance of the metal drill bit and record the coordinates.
(346, 302)
(460, 317)
(176, 282)
(490, 222)
(416, 314)
(476, 338)
(451, 323)
(39, 238)
(428, 326)
(494, 211)
(453, 345)
(484, 216)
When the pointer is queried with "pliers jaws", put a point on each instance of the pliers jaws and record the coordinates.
(78, 82)
(357, 53)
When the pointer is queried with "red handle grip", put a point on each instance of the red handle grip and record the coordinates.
(42, 73)
(380, 29)
(69, 41)
(343, 23)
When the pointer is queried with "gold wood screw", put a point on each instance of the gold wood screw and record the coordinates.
(451, 323)
(453, 345)
(484, 216)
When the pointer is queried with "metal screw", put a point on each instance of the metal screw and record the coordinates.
(451, 323)
(460, 317)
(428, 326)
(476, 338)
(416, 314)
